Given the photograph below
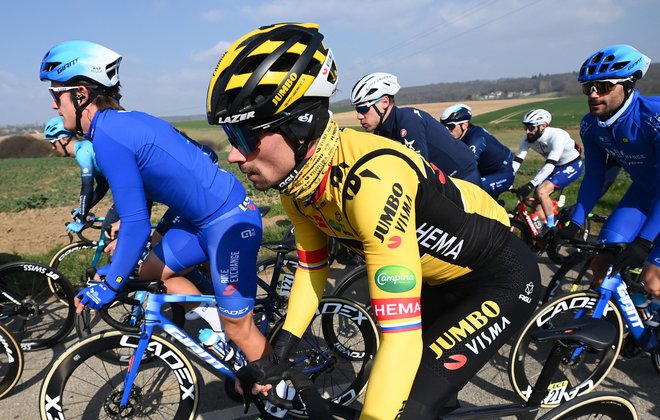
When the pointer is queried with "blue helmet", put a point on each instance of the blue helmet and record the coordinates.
(75, 61)
(614, 62)
(54, 130)
(456, 114)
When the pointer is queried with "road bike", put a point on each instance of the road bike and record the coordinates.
(575, 274)
(76, 258)
(11, 361)
(581, 369)
(530, 231)
(593, 334)
(36, 304)
(153, 377)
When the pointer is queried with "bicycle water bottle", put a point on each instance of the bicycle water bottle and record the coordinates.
(642, 304)
(217, 342)
(561, 201)
(537, 222)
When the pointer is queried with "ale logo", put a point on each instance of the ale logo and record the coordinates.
(395, 279)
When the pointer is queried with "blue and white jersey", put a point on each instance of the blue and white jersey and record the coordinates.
(632, 138)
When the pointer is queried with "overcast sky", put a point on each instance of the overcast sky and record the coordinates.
(170, 48)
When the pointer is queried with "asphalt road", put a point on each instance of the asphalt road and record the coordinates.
(634, 379)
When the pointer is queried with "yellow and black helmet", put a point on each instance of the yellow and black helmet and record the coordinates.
(267, 71)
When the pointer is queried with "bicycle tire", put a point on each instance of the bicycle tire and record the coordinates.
(573, 378)
(74, 259)
(43, 310)
(605, 405)
(655, 359)
(574, 275)
(339, 368)
(355, 286)
(11, 361)
(81, 384)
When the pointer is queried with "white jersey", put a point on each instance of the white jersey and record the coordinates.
(555, 144)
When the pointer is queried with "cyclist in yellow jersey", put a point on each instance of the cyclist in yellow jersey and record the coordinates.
(449, 283)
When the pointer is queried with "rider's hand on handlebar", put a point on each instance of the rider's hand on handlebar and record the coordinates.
(96, 297)
(633, 255)
(526, 189)
(75, 227)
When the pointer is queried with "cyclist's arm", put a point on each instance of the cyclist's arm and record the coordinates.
(394, 276)
(84, 160)
(312, 272)
(477, 144)
(520, 155)
(121, 170)
(592, 184)
(102, 188)
(651, 227)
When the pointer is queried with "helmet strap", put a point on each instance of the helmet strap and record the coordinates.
(381, 115)
(64, 145)
(81, 107)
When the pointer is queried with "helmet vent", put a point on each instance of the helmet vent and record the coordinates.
(50, 66)
(619, 65)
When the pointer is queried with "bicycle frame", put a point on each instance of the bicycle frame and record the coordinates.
(613, 286)
(153, 318)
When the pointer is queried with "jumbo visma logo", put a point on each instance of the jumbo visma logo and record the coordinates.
(395, 279)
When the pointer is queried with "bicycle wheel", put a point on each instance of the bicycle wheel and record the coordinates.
(575, 375)
(36, 304)
(601, 405)
(74, 259)
(82, 385)
(11, 361)
(339, 365)
(574, 275)
(355, 286)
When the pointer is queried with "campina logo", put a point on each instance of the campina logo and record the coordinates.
(395, 279)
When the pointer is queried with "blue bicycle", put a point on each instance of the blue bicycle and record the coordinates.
(151, 376)
(581, 371)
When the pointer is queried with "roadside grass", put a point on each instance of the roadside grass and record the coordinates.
(34, 183)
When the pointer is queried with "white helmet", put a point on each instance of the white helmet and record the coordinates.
(374, 86)
(537, 117)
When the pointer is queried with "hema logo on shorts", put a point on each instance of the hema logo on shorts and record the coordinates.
(395, 279)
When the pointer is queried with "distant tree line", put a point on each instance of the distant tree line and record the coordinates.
(564, 84)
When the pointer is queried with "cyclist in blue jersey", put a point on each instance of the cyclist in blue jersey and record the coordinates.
(65, 143)
(625, 126)
(494, 160)
(145, 158)
(563, 164)
(373, 98)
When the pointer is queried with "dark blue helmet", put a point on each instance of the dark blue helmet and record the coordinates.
(456, 114)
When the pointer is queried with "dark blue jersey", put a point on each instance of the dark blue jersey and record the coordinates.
(427, 136)
(145, 158)
(492, 156)
(632, 138)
